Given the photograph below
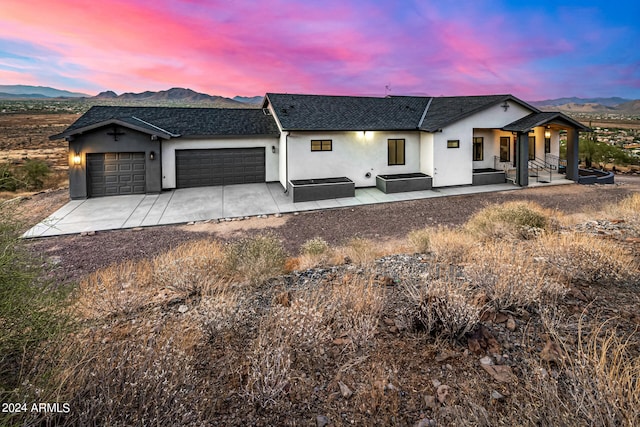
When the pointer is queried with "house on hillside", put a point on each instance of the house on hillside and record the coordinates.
(321, 143)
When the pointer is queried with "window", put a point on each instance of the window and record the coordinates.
(453, 143)
(321, 145)
(478, 148)
(547, 145)
(395, 153)
(532, 148)
(504, 148)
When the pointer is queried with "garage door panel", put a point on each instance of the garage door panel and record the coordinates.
(111, 174)
(197, 168)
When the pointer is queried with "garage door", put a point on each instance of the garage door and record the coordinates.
(112, 174)
(199, 168)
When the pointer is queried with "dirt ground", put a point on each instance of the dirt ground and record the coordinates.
(77, 255)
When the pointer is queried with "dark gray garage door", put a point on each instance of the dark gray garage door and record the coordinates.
(199, 168)
(112, 174)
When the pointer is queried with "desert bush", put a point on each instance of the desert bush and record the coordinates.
(510, 276)
(132, 375)
(516, 220)
(355, 305)
(576, 256)
(35, 171)
(190, 267)
(269, 368)
(315, 246)
(442, 307)
(224, 311)
(255, 259)
(119, 289)
(31, 309)
(8, 180)
(451, 245)
(359, 250)
(420, 240)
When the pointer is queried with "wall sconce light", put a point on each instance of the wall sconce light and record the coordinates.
(152, 155)
(77, 159)
(273, 149)
(547, 133)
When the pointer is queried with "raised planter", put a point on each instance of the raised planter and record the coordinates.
(402, 182)
(488, 176)
(595, 176)
(307, 190)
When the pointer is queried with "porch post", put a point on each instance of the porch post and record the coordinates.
(522, 159)
(572, 154)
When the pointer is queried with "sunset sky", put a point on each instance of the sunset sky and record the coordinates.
(532, 49)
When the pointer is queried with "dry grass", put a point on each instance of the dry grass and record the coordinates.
(248, 351)
(511, 276)
(511, 220)
(579, 257)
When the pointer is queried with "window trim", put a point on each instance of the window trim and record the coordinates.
(453, 143)
(478, 140)
(322, 144)
(396, 150)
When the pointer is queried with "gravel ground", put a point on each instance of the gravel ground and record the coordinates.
(75, 256)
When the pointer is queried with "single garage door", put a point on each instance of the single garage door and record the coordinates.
(225, 166)
(112, 174)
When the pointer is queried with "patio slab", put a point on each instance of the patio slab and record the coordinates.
(205, 203)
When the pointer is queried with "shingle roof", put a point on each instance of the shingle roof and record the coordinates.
(181, 121)
(537, 119)
(445, 110)
(339, 113)
(321, 112)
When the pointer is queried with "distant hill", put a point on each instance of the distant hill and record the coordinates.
(589, 105)
(174, 95)
(4, 95)
(249, 99)
(25, 91)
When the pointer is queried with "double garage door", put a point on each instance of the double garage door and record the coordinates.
(112, 174)
(200, 168)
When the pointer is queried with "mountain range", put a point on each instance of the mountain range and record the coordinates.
(181, 95)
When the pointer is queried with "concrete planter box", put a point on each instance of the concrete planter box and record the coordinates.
(307, 190)
(595, 176)
(488, 176)
(400, 183)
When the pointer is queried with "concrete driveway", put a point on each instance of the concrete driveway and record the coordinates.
(204, 203)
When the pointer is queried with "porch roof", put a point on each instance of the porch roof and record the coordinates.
(527, 123)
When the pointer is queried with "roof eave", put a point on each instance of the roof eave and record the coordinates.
(159, 133)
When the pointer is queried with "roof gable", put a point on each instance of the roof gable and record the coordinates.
(175, 122)
(446, 110)
(525, 124)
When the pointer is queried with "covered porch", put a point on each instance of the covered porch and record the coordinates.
(528, 150)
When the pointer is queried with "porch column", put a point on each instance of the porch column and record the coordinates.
(572, 154)
(522, 159)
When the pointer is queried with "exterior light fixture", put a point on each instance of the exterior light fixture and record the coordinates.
(152, 155)
(77, 159)
(547, 133)
(273, 149)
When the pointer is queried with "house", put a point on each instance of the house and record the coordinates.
(317, 140)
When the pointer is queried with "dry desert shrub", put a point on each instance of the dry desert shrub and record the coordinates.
(360, 251)
(314, 252)
(442, 307)
(255, 259)
(225, 311)
(133, 375)
(420, 240)
(511, 220)
(451, 246)
(269, 366)
(119, 289)
(189, 268)
(510, 276)
(576, 256)
(355, 305)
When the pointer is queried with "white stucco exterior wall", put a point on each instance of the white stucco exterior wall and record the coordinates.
(282, 159)
(426, 153)
(354, 154)
(454, 166)
(169, 154)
